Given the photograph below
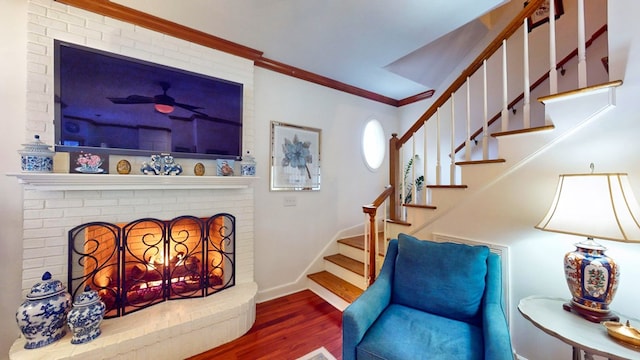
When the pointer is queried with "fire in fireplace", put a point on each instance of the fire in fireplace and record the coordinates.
(147, 261)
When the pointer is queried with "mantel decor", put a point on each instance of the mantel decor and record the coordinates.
(295, 157)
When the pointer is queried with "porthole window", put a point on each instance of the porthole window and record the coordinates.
(373, 144)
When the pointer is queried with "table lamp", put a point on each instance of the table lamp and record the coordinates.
(595, 206)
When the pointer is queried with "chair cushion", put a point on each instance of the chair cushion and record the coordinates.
(404, 333)
(445, 279)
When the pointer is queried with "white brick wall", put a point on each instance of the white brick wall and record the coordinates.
(49, 215)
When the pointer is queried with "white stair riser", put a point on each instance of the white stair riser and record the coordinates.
(345, 274)
(327, 295)
(350, 251)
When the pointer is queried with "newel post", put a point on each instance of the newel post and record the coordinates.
(371, 241)
(394, 176)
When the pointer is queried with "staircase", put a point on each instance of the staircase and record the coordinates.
(512, 148)
(343, 279)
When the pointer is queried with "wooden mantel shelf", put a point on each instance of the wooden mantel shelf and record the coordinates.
(63, 181)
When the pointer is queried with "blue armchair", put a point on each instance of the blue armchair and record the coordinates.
(430, 301)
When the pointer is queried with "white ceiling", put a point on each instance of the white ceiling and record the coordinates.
(396, 49)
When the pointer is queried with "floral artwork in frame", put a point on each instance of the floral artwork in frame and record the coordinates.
(541, 15)
(88, 163)
(295, 157)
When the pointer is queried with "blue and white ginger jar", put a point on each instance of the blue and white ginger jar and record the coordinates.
(41, 317)
(85, 317)
(36, 156)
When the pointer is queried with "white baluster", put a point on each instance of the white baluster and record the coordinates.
(467, 141)
(438, 149)
(505, 95)
(553, 72)
(452, 165)
(485, 124)
(582, 51)
(526, 111)
(424, 163)
(414, 157)
(366, 249)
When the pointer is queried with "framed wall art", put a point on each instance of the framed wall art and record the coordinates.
(541, 15)
(295, 157)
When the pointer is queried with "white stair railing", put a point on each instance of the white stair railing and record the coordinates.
(437, 142)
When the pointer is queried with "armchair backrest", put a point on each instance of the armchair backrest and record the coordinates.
(446, 279)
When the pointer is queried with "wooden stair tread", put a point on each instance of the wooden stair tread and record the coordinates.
(447, 186)
(346, 262)
(475, 162)
(524, 131)
(398, 222)
(345, 290)
(421, 206)
(358, 241)
(610, 84)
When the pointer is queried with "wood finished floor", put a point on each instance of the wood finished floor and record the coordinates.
(285, 329)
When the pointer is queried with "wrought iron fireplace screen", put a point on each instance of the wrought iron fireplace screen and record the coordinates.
(148, 261)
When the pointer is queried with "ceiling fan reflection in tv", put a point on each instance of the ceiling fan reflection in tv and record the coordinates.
(162, 103)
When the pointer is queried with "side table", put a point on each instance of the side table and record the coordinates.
(548, 315)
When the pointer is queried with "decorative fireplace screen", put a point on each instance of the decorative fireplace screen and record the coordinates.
(148, 261)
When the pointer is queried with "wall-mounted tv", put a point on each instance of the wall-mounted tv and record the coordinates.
(108, 103)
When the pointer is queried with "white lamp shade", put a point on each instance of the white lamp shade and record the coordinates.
(594, 205)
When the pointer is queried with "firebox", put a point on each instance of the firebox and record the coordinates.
(147, 261)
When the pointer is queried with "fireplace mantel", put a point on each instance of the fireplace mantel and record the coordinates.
(63, 181)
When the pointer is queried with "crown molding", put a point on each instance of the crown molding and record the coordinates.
(139, 18)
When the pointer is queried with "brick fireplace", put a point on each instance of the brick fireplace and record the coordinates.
(54, 204)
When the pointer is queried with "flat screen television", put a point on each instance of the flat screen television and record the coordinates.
(108, 103)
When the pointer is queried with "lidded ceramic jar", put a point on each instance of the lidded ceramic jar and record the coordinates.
(85, 317)
(41, 317)
(248, 165)
(36, 156)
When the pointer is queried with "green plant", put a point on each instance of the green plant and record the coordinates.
(408, 198)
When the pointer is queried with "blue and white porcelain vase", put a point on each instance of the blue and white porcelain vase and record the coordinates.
(36, 156)
(41, 317)
(248, 165)
(85, 317)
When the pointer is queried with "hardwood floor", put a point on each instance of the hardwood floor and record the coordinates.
(285, 329)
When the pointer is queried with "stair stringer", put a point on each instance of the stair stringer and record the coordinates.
(569, 112)
(302, 282)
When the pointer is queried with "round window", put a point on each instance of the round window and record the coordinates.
(373, 144)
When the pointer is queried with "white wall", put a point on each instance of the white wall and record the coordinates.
(287, 239)
(13, 49)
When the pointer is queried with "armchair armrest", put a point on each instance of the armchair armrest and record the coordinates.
(358, 317)
(497, 340)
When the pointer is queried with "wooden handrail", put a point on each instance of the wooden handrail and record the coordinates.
(494, 46)
(537, 83)
(388, 190)
(396, 143)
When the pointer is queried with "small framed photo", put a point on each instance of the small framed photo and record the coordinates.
(224, 167)
(295, 157)
(88, 163)
(541, 15)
